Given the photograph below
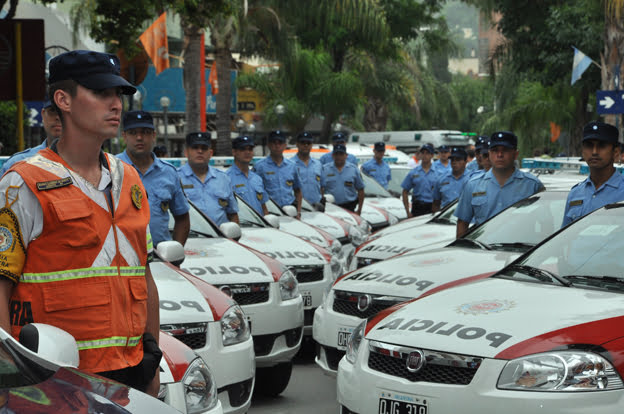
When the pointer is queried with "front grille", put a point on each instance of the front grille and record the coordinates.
(439, 368)
(333, 357)
(365, 261)
(309, 274)
(193, 335)
(239, 392)
(263, 344)
(308, 316)
(193, 341)
(344, 240)
(248, 294)
(347, 304)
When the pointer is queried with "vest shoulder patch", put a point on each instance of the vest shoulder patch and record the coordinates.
(50, 185)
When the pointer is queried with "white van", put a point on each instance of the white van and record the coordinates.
(409, 141)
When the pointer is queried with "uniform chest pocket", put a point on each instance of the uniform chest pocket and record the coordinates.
(479, 206)
(77, 221)
(160, 198)
(574, 211)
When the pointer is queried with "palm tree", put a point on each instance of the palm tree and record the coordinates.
(612, 57)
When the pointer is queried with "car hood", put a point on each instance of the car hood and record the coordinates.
(302, 230)
(392, 205)
(405, 224)
(324, 222)
(412, 275)
(499, 318)
(373, 215)
(179, 300)
(406, 241)
(220, 260)
(279, 245)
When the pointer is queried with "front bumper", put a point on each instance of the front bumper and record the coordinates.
(174, 396)
(359, 389)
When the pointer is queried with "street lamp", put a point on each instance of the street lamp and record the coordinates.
(240, 124)
(137, 99)
(337, 127)
(280, 110)
(165, 102)
(251, 129)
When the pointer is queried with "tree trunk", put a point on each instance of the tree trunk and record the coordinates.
(223, 57)
(375, 115)
(326, 131)
(192, 77)
(612, 59)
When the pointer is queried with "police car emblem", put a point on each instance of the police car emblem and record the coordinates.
(137, 196)
(6, 239)
(364, 301)
(415, 361)
(485, 307)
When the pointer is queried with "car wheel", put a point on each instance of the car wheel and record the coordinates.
(271, 382)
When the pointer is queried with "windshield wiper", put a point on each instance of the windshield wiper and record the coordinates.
(516, 246)
(598, 281)
(473, 243)
(246, 223)
(441, 220)
(539, 274)
(195, 233)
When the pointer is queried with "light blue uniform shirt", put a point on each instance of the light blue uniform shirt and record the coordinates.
(22, 155)
(472, 165)
(249, 187)
(380, 172)
(214, 197)
(475, 173)
(343, 185)
(440, 168)
(279, 181)
(448, 188)
(421, 183)
(309, 178)
(164, 192)
(327, 158)
(585, 198)
(483, 197)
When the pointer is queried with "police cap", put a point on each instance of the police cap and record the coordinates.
(198, 138)
(600, 131)
(504, 139)
(443, 148)
(137, 119)
(305, 137)
(428, 148)
(380, 146)
(93, 70)
(482, 143)
(277, 136)
(339, 136)
(458, 152)
(242, 142)
(340, 148)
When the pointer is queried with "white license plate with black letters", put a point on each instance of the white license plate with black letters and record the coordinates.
(390, 403)
(343, 336)
(307, 300)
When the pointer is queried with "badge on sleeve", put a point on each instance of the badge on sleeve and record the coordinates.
(289, 183)
(259, 195)
(318, 178)
(12, 251)
(223, 202)
(137, 196)
(164, 206)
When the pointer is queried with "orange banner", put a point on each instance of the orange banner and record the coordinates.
(154, 40)
(212, 79)
(555, 132)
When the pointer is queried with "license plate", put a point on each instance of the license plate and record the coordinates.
(248, 322)
(307, 300)
(407, 405)
(343, 337)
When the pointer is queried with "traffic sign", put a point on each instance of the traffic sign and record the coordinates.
(610, 102)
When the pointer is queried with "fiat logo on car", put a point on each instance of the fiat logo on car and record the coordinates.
(415, 361)
(364, 302)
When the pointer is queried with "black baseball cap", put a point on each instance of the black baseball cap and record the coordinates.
(340, 148)
(380, 146)
(242, 142)
(482, 144)
(505, 139)
(428, 148)
(339, 136)
(443, 148)
(198, 138)
(137, 119)
(305, 137)
(277, 136)
(458, 152)
(93, 70)
(601, 131)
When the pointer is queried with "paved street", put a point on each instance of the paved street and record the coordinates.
(309, 392)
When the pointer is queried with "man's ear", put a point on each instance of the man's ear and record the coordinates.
(62, 99)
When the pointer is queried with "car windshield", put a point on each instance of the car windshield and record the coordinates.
(274, 208)
(306, 206)
(398, 175)
(248, 216)
(373, 189)
(446, 215)
(524, 224)
(16, 370)
(584, 254)
(200, 226)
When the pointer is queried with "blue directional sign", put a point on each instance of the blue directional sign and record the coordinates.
(610, 102)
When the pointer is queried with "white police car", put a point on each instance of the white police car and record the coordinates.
(380, 197)
(541, 335)
(375, 217)
(486, 248)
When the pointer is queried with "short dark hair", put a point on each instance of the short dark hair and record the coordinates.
(70, 86)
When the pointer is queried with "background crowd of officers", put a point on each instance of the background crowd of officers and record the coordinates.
(66, 194)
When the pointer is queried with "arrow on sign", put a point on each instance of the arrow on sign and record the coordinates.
(607, 102)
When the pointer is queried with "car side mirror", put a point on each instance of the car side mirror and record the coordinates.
(290, 210)
(330, 198)
(273, 220)
(231, 230)
(50, 343)
(171, 251)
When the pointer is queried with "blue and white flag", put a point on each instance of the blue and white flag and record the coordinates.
(580, 65)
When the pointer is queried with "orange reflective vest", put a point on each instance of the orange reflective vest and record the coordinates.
(85, 273)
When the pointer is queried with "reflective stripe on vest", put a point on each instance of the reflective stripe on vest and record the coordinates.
(82, 274)
(108, 342)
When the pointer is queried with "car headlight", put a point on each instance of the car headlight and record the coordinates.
(200, 388)
(392, 219)
(234, 327)
(336, 248)
(356, 235)
(336, 267)
(354, 342)
(289, 287)
(559, 371)
(365, 227)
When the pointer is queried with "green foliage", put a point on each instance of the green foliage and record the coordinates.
(8, 120)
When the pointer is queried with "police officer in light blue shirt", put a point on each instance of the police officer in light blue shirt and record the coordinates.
(421, 182)
(376, 167)
(449, 186)
(208, 188)
(308, 169)
(605, 184)
(278, 174)
(481, 157)
(51, 125)
(474, 164)
(342, 179)
(160, 179)
(488, 194)
(246, 183)
(338, 138)
(443, 164)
